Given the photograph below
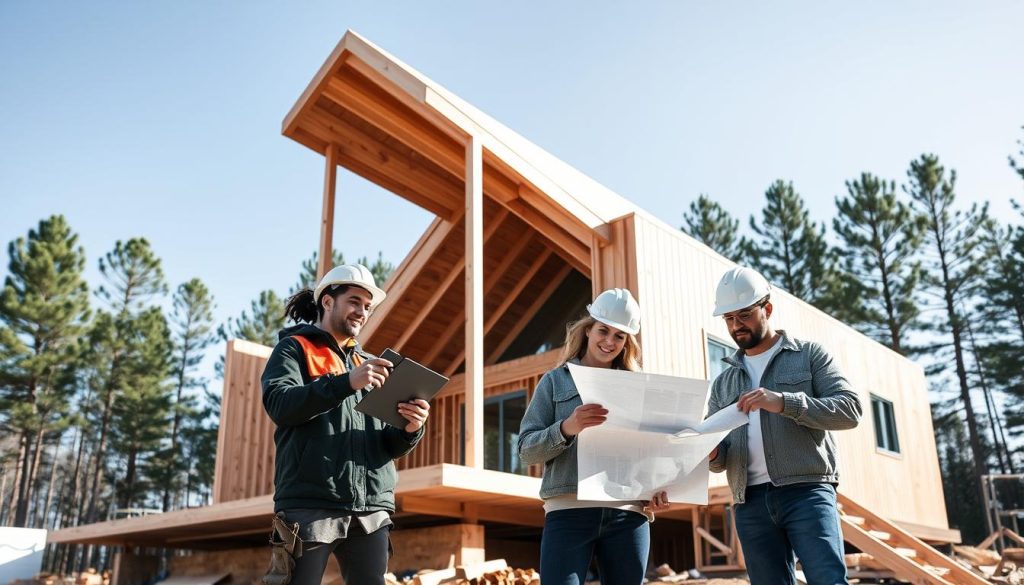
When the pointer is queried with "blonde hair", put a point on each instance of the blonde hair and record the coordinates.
(576, 346)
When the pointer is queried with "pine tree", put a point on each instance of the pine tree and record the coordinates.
(141, 414)
(952, 244)
(1002, 306)
(133, 276)
(709, 223)
(262, 325)
(199, 439)
(43, 307)
(880, 237)
(192, 320)
(791, 251)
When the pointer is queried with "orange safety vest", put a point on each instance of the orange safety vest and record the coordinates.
(321, 359)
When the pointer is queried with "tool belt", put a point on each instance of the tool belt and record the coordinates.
(285, 548)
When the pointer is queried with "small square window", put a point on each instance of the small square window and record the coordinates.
(717, 351)
(885, 425)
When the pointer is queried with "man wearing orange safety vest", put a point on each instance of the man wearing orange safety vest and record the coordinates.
(334, 475)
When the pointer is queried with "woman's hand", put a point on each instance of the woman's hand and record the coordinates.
(659, 502)
(583, 417)
(416, 412)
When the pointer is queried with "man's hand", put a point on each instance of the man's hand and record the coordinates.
(370, 373)
(761, 398)
(416, 412)
(583, 417)
(657, 503)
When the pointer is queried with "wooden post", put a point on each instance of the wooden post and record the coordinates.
(474, 439)
(326, 253)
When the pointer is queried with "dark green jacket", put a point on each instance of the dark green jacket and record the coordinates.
(329, 456)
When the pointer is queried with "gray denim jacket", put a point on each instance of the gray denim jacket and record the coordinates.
(540, 435)
(798, 444)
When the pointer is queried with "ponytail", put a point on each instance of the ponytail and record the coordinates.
(301, 307)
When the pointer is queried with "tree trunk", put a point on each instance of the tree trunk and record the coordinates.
(956, 328)
(42, 522)
(24, 488)
(94, 489)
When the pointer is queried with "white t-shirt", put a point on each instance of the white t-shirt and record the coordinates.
(757, 467)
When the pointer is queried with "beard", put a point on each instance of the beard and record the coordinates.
(751, 339)
(345, 327)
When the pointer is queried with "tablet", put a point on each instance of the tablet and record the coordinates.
(407, 381)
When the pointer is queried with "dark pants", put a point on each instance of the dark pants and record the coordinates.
(363, 558)
(777, 521)
(621, 540)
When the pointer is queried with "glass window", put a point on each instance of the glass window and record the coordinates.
(885, 425)
(502, 415)
(717, 351)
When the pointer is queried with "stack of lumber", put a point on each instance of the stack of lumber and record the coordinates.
(496, 572)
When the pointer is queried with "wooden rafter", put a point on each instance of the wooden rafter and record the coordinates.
(405, 275)
(395, 170)
(354, 92)
(505, 304)
(530, 312)
(428, 308)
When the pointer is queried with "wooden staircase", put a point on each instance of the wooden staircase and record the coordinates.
(896, 549)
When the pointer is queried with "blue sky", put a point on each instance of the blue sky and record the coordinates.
(162, 119)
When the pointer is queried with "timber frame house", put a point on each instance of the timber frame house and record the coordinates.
(521, 242)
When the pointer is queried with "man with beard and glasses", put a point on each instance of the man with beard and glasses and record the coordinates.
(334, 475)
(782, 467)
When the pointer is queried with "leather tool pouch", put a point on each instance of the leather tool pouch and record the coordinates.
(285, 548)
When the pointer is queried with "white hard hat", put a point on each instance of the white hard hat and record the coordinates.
(740, 288)
(618, 308)
(353, 274)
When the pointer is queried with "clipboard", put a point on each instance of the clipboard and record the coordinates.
(407, 381)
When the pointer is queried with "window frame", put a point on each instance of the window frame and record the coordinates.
(883, 421)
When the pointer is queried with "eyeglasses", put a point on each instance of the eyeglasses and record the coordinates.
(745, 315)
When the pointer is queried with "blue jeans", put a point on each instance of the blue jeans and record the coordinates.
(621, 540)
(777, 521)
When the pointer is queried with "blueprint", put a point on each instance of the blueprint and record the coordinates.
(655, 437)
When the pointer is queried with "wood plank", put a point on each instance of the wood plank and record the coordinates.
(474, 342)
(904, 539)
(714, 541)
(529, 314)
(326, 253)
(903, 567)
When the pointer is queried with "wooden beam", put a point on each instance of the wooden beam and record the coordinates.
(442, 289)
(530, 312)
(327, 213)
(505, 304)
(568, 247)
(405, 275)
(474, 437)
(354, 92)
(514, 293)
(714, 541)
(399, 172)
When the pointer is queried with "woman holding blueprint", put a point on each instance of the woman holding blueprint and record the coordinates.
(575, 530)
